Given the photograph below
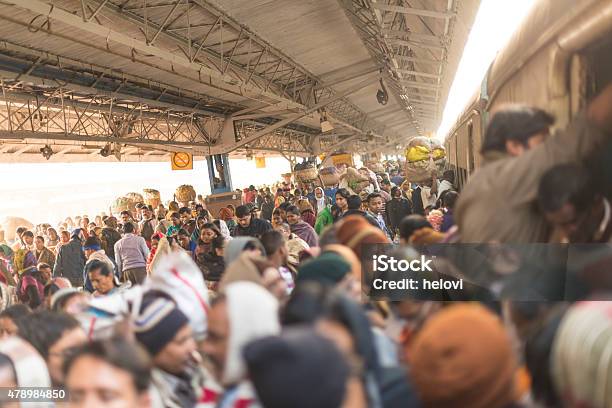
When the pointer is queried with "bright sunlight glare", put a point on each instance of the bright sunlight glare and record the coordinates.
(495, 23)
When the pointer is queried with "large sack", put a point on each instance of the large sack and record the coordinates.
(355, 181)
(10, 225)
(176, 275)
(330, 176)
(424, 157)
(152, 197)
(135, 197)
(185, 193)
(123, 204)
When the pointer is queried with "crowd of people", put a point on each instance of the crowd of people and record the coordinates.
(265, 304)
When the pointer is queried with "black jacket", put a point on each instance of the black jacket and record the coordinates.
(396, 210)
(417, 202)
(255, 228)
(212, 266)
(364, 214)
(70, 262)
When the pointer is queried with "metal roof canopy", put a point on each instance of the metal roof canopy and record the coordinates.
(218, 76)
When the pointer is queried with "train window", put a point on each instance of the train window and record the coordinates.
(598, 58)
(470, 147)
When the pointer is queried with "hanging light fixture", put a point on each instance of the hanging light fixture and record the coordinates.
(326, 125)
(46, 151)
(382, 96)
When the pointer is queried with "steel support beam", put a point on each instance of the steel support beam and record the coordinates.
(411, 43)
(297, 116)
(420, 85)
(418, 73)
(413, 11)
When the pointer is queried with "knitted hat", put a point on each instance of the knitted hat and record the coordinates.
(463, 358)
(158, 323)
(328, 268)
(299, 369)
(581, 355)
(355, 230)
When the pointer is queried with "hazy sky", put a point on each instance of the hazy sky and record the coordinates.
(48, 192)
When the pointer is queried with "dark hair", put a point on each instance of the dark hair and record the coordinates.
(292, 209)
(277, 211)
(343, 192)
(394, 190)
(242, 211)
(175, 215)
(184, 210)
(40, 237)
(120, 353)
(272, 240)
(354, 202)
(27, 234)
(125, 212)
(385, 181)
(411, 223)
(182, 232)
(15, 312)
(44, 328)
(283, 206)
(306, 304)
(211, 226)
(449, 198)
(93, 241)
(328, 236)
(217, 242)
(97, 265)
(566, 183)
(449, 175)
(517, 123)
(43, 265)
(128, 228)
(372, 196)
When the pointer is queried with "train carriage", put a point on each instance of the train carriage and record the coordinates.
(558, 59)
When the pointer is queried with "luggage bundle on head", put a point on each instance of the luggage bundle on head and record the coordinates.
(175, 276)
(355, 180)
(305, 172)
(287, 177)
(330, 176)
(424, 157)
(135, 197)
(123, 204)
(152, 197)
(375, 166)
(10, 225)
(185, 193)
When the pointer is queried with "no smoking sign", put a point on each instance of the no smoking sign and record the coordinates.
(182, 161)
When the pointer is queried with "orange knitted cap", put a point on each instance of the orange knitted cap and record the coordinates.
(463, 358)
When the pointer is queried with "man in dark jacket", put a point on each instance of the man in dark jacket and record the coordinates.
(70, 259)
(397, 209)
(354, 208)
(248, 225)
(109, 236)
(267, 207)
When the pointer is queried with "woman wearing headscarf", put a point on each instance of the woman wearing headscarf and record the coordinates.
(319, 201)
(52, 238)
(22, 366)
(227, 214)
(307, 212)
(30, 289)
